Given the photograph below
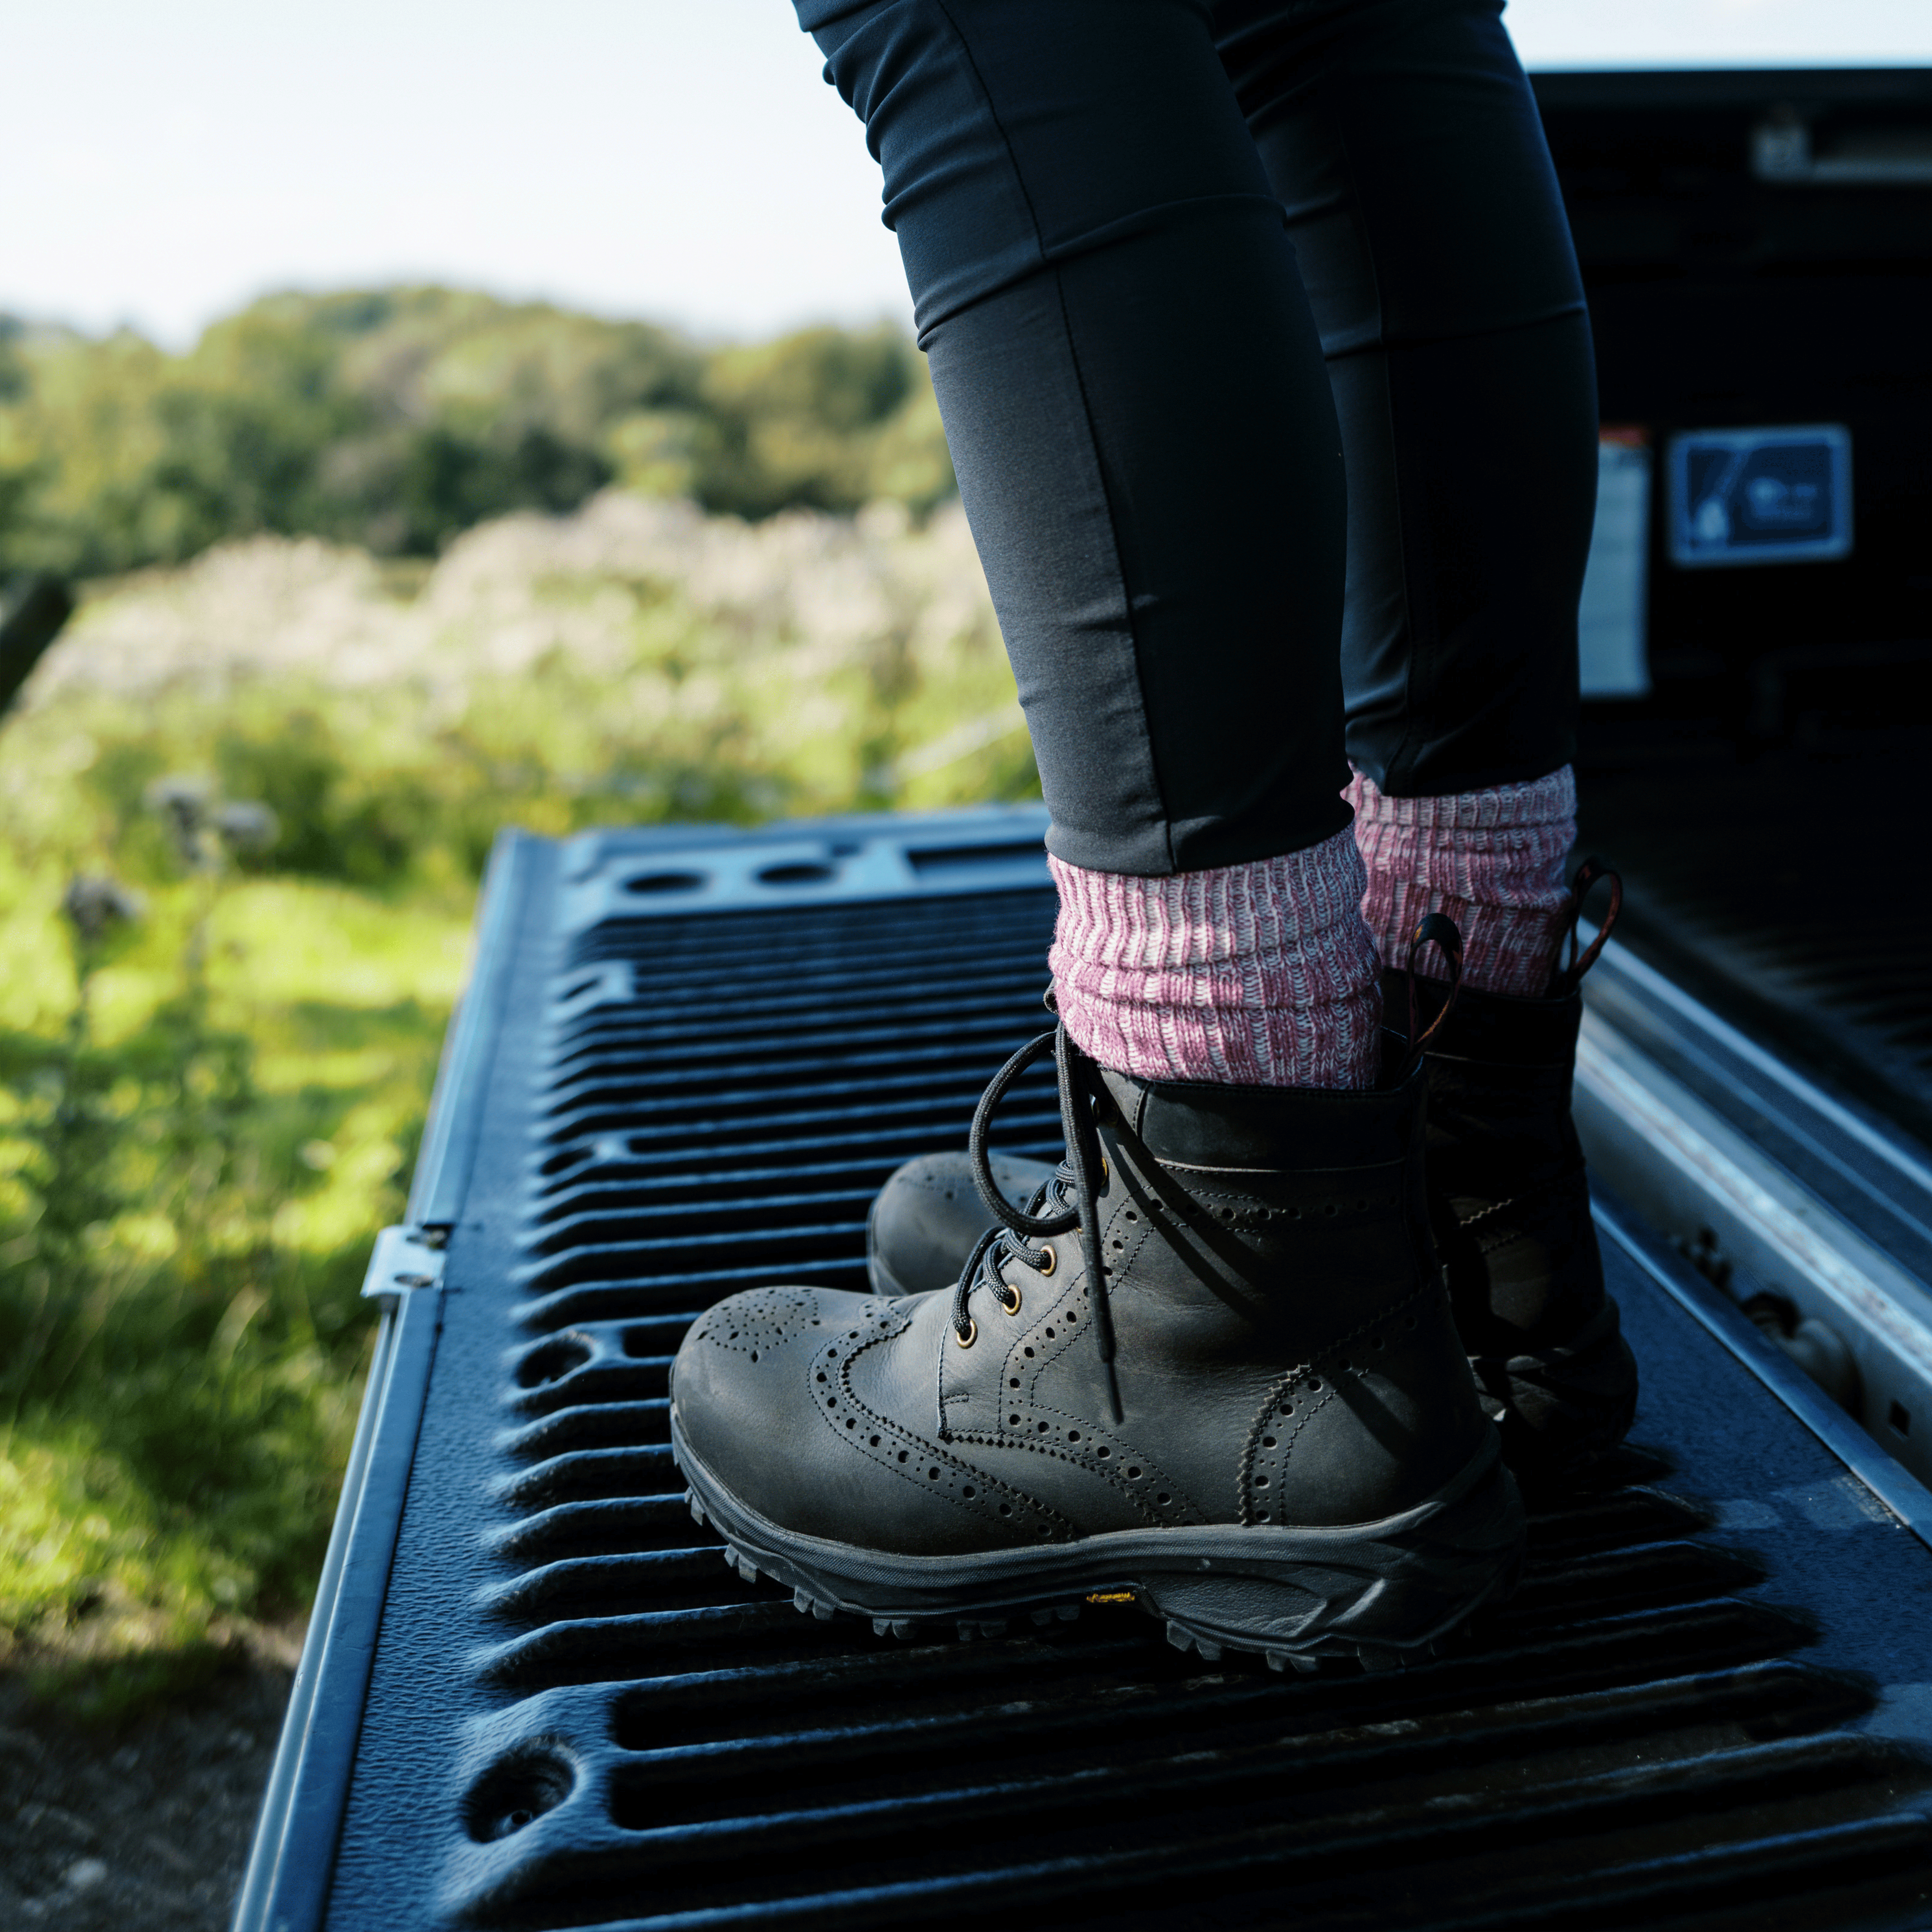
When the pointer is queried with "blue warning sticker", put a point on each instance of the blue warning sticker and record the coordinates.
(1760, 496)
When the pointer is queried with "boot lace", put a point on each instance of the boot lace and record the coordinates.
(1564, 980)
(1065, 1204)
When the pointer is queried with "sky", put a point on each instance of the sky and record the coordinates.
(679, 160)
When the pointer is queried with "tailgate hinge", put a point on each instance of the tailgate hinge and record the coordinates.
(406, 1261)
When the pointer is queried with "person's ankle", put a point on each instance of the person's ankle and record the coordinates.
(1258, 974)
(1491, 859)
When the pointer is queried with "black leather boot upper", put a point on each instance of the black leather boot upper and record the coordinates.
(1282, 1348)
(1511, 1209)
(1510, 1203)
(1507, 1198)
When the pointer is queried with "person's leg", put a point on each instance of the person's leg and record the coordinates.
(1404, 141)
(1142, 423)
(1219, 1331)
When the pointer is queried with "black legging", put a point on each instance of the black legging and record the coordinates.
(1134, 230)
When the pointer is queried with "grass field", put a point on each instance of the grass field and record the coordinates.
(276, 773)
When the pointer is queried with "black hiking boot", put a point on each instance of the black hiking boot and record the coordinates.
(1263, 1427)
(1508, 1199)
(1511, 1210)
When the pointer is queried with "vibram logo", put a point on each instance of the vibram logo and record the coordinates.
(1110, 1597)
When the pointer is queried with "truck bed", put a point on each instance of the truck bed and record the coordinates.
(534, 1695)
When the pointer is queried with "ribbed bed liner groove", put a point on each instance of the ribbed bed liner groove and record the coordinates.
(1706, 1704)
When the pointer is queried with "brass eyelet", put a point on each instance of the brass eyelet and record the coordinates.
(1010, 1300)
(1106, 1172)
(1048, 1260)
(971, 1335)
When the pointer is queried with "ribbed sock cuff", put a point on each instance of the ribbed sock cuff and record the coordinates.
(1257, 975)
(1492, 860)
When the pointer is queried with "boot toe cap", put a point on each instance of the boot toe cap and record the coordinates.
(746, 1397)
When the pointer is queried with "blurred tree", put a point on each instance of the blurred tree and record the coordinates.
(804, 420)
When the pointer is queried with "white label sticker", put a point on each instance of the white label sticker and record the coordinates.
(1611, 633)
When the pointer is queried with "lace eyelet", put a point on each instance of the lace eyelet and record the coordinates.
(1010, 1300)
(970, 1335)
(1048, 1260)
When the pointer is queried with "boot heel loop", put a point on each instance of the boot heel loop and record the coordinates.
(1438, 930)
(1564, 980)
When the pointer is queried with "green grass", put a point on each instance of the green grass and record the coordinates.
(209, 1108)
(190, 1182)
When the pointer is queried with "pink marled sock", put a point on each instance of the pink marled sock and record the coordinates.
(1492, 860)
(1258, 975)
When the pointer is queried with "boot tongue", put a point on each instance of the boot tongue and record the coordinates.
(1198, 1126)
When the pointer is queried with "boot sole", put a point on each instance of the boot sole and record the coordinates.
(1384, 1594)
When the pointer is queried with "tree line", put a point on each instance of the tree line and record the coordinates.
(393, 418)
